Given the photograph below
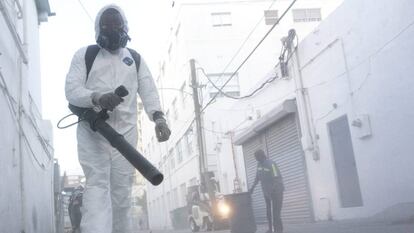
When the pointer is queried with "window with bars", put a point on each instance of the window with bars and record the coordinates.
(232, 87)
(221, 19)
(307, 15)
(271, 17)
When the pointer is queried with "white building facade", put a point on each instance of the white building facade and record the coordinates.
(340, 124)
(214, 33)
(26, 154)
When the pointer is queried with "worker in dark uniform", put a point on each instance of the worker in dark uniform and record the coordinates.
(271, 180)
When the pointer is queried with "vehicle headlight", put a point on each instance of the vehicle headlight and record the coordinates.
(224, 209)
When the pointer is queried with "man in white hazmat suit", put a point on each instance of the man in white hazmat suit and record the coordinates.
(109, 176)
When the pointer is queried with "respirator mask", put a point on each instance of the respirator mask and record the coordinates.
(112, 34)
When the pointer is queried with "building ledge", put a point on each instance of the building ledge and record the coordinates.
(280, 111)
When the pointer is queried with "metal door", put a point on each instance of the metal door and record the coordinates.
(346, 170)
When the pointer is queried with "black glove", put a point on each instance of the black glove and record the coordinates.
(161, 130)
(107, 101)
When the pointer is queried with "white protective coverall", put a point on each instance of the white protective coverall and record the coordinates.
(109, 176)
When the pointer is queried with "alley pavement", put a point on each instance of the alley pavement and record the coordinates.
(326, 227)
(398, 219)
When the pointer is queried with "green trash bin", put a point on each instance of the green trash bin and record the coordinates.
(179, 218)
(242, 218)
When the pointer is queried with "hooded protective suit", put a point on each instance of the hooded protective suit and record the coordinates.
(109, 176)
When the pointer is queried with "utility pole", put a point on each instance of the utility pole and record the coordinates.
(197, 112)
(206, 182)
(204, 176)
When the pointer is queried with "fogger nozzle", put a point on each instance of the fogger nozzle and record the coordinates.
(97, 123)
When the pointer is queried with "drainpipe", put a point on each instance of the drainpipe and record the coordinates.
(304, 109)
(236, 181)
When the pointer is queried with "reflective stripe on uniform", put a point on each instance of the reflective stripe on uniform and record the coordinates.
(274, 170)
(263, 169)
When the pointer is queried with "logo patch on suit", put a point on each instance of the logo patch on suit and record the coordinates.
(128, 61)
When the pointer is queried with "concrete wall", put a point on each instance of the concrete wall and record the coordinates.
(367, 72)
(193, 36)
(361, 69)
(26, 161)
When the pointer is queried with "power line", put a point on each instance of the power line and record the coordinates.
(282, 64)
(232, 59)
(214, 131)
(351, 94)
(11, 102)
(45, 143)
(356, 90)
(192, 119)
(175, 89)
(85, 10)
(250, 54)
(225, 133)
(367, 59)
(269, 80)
(364, 81)
(245, 40)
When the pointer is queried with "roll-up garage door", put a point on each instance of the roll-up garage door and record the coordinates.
(282, 143)
(284, 147)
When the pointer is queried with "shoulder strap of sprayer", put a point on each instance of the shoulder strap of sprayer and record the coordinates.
(137, 58)
(90, 56)
(93, 50)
